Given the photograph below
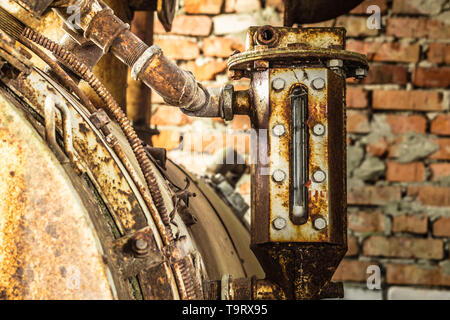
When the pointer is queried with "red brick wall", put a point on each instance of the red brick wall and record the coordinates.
(398, 125)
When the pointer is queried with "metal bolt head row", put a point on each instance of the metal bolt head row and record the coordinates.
(279, 129)
(280, 223)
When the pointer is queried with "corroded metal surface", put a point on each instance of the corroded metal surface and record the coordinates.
(307, 46)
(48, 247)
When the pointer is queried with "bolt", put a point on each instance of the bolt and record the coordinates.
(319, 176)
(320, 223)
(360, 73)
(318, 129)
(278, 130)
(278, 84)
(335, 63)
(278, 175)
(279, 223)
(318, 83)
(140, 246)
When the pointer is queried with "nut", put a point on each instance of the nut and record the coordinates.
(278, 84)
(279, 223)
(318, 83)
(318, 129)
(319, 176)
(278, 130)
(278, 175)
(320, 223)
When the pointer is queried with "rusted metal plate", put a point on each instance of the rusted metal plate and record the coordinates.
(48, 247)
(281, 156)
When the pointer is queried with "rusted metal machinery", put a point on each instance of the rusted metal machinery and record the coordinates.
(90, 211)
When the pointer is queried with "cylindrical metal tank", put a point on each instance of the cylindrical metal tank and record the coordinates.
(74, 220)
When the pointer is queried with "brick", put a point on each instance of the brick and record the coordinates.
(405, 172)
(169, 116)
(242, 5)
(232, 23)
(357, 122)
(352, 270)
(439, 170)
(410, 223)
(168, 139)
(171, 48)
(378, 148)
(405, 27)
(432, 77)
(187, 25)
(221, 46)
(241, 122)
(207, 70)
(439, 53)
(431, 195)
(365, 221)
(362, 7)
(386, 73)
(408, 293)
(441, 227)
(373, 195)
(355, 26)
(386, 51)
(203, 6)
(403, 247)
(441, 125)
(416, 100)
(353, 247)
(417, 7)
(444, 149)
(356, 97)
(406, 123)
(417, 275)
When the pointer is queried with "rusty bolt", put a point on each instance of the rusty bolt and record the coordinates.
(140, 246)
(335, 63)
(278, 84)
(320, 223)
(318, 129)
(279, 223)
(235, 74)
(318, 83)
(360, 73)
(319, 176)
(278, 130)
(267, 35)
(278, 175)
(261, 65)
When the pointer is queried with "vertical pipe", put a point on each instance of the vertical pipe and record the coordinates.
(139, 108)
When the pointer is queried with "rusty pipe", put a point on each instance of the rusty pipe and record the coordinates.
(176, 86)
